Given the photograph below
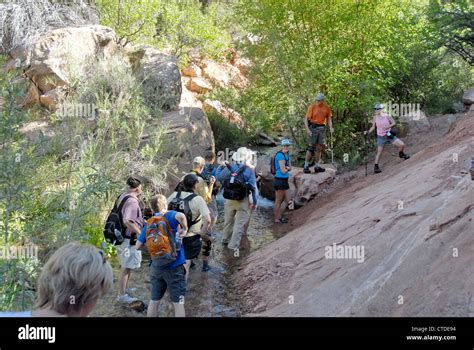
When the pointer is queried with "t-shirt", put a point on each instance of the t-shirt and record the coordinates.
(318, 113)
(131, 212)
(286, 158)
(170, 216)
(198, 209)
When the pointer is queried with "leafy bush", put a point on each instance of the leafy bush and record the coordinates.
(177, 26)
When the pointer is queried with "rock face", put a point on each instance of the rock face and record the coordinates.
(415, 122)
(468, 97)
(60, 54)
(223, 74)
(216, 106)
(418, 249)
(199, 85)
(161, 78)
(303, 187)
(189, 134)
(60, 50)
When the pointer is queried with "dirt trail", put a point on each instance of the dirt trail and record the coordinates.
(418, 259)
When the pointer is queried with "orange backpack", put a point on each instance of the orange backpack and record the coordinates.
(160, 240)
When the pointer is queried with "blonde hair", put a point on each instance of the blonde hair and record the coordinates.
(74, 276)
(159, 203)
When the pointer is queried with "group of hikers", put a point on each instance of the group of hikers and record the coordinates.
(177, 229)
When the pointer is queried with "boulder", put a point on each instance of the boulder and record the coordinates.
(189, 134)
(188, 98)
(224, 74)
(160, 76)
(415, 122)
(216, 106)
(32, 96)
(51, 99)
(468, 97)
(243, 65)
(303, 187)
(199, 85)
(60, 52)
(265, 140)
(192, 70)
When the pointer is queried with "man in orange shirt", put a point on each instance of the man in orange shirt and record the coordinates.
(318, 116)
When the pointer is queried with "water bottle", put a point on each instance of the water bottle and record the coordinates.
(119, 236)
(389, 133)
(179, 242)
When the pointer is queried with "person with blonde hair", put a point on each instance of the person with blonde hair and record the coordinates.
(71, 282)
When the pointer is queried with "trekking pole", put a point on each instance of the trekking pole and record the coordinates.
(365, 143)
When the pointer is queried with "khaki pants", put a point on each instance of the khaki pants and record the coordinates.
(236, 217)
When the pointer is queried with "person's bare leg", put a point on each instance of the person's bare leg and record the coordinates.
(309, 156)
(153, 308)
(284, 202)
(123, 280)
(187, 266)
(379, 153)
(179, 310)
(276, 208)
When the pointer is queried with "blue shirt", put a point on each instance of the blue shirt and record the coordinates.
(250, 180)
(281, 156)
(170, 216)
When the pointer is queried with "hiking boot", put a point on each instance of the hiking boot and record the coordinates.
(306, 170)
(205, 266)
(377, 169)
(282, 221)
(403, 155)
(318, 169)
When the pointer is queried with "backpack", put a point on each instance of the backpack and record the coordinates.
(273, 162)
(114, 230)
(235, 187)
(182, 205)
(160, 241)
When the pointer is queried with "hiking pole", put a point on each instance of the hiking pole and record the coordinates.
(365, 143)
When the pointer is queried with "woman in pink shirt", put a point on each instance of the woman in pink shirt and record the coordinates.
(384, 123)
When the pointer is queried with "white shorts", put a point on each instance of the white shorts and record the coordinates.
(129, 257)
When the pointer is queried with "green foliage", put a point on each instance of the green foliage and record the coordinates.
(55, 195)
(356, 52)
(453, 23)
(226, 135)
(177, 26)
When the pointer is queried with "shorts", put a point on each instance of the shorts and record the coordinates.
(280, 184)
(129, 257)
(318, 135)
(192, 247)
(383, 140)
(162, 279)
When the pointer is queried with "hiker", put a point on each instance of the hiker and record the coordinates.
(237, 179)
(282, 170)
(317, 117)
(197, 215)
(71, 282)
(205, 186)
(384, 122)
(132, 219)
(173, 275)
(210, 172)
